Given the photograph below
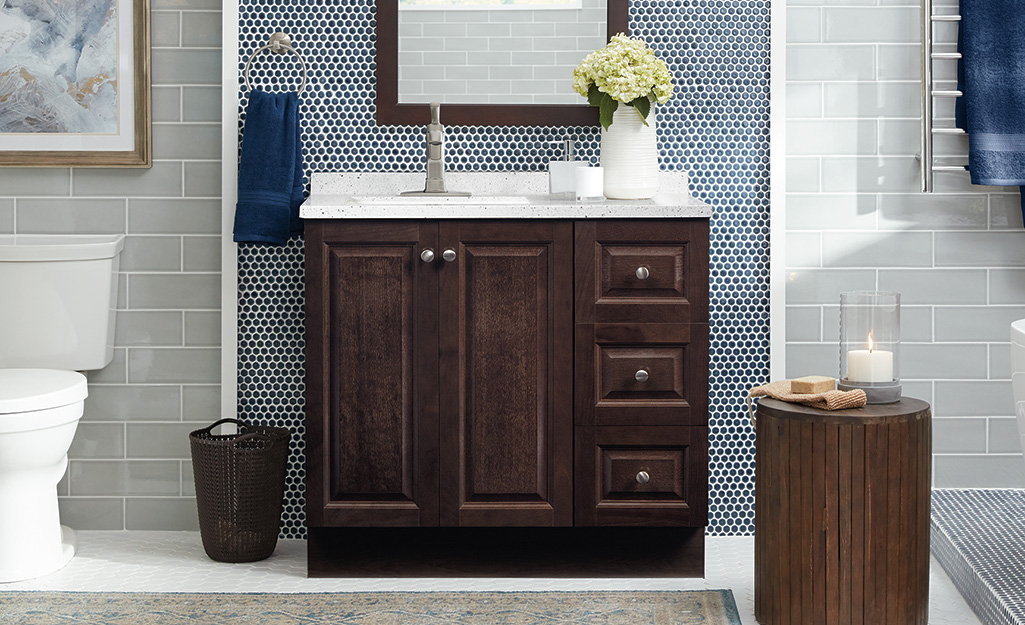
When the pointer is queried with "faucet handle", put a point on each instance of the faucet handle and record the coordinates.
(435, 112)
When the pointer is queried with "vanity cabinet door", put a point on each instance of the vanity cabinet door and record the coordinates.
(506, 373)
(371, 373)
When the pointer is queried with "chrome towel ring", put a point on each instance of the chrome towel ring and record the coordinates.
(279, 43)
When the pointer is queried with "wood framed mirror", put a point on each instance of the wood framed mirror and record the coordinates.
(392, 111)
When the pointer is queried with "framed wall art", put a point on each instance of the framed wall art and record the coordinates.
(75, 83)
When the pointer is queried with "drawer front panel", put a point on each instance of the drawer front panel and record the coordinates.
(647, 271)
(641, 373)
(653, 271)
(642, 476)
(643, 473)
(645, 374)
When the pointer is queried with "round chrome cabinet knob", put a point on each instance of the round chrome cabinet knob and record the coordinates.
(427, 256)
(641, 375)
(642, 273)
(449, 255)
(643, 477)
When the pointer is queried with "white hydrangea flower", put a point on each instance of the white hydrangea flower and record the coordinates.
(626, 69)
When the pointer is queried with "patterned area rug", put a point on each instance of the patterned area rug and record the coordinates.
(704, 607)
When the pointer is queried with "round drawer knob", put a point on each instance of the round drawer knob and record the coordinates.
(642, 273)
(641, 375)
(449, 255)
(643, 477)
(427, 256)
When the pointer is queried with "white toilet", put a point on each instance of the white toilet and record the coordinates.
(57, 301)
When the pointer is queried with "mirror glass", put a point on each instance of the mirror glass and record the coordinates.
(505, 52)
(533, 60)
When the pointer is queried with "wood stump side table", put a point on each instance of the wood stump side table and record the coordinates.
(842, 514)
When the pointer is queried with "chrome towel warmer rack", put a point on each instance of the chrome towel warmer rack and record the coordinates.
(278, 43)
(929, 130)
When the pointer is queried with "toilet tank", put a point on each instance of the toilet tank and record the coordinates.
(58, 294)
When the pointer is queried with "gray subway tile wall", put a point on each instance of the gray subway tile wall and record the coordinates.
(129, 463)
(21, 182)
(152, 253)
(202, 328)
(71, 216)
(164, 179)
(854, 101)
(166, 104)
(6, 215)
(174, 216)
(202, 178)
(201, 104)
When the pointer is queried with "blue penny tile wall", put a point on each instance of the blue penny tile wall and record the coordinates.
(716, 128)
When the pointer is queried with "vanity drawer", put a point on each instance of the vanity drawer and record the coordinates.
(642, 271)
(641, 476)
(641, 374)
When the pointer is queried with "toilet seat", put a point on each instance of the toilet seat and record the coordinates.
(28, 398)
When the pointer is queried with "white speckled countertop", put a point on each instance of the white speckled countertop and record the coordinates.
(496, 195)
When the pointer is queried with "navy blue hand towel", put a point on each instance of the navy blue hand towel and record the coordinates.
(991, 76)
(270, 172)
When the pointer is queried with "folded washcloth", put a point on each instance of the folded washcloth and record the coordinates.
(270, 173)
(828, 400)
(991, 75)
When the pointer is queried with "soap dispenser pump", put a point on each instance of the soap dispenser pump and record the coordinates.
(562, 174)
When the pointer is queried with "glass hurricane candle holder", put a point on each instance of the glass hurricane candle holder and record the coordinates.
(870, 344)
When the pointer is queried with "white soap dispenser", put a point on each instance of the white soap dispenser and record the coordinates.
(562, 180)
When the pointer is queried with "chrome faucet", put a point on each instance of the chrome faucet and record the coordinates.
(435, 184)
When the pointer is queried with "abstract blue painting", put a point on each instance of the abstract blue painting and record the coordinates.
(59, 66)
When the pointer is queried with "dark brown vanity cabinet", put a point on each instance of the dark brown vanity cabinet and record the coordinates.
(515, 372)
(439, 373)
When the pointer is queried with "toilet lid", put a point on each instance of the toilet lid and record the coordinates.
(25, 390)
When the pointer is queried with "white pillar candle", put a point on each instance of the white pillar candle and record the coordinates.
(590, 183)
(868, 365)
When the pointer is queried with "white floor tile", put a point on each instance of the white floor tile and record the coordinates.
(175, 562)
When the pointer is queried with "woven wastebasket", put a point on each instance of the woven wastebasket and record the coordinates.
(240, 481)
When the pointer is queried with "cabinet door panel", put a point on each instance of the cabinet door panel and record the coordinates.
(372, 403)
(506, 374)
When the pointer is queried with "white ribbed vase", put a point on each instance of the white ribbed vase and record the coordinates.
(629, 155)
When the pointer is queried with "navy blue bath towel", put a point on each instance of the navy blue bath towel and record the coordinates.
(991, 75)
(270, 172)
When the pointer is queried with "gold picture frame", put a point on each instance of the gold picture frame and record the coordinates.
(136, 136)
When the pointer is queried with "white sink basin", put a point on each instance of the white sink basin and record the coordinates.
(421, 200)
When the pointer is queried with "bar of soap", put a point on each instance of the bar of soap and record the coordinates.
(812, 384)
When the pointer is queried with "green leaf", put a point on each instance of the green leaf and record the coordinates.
(643, 106)
(607, 107)
(594, 96)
